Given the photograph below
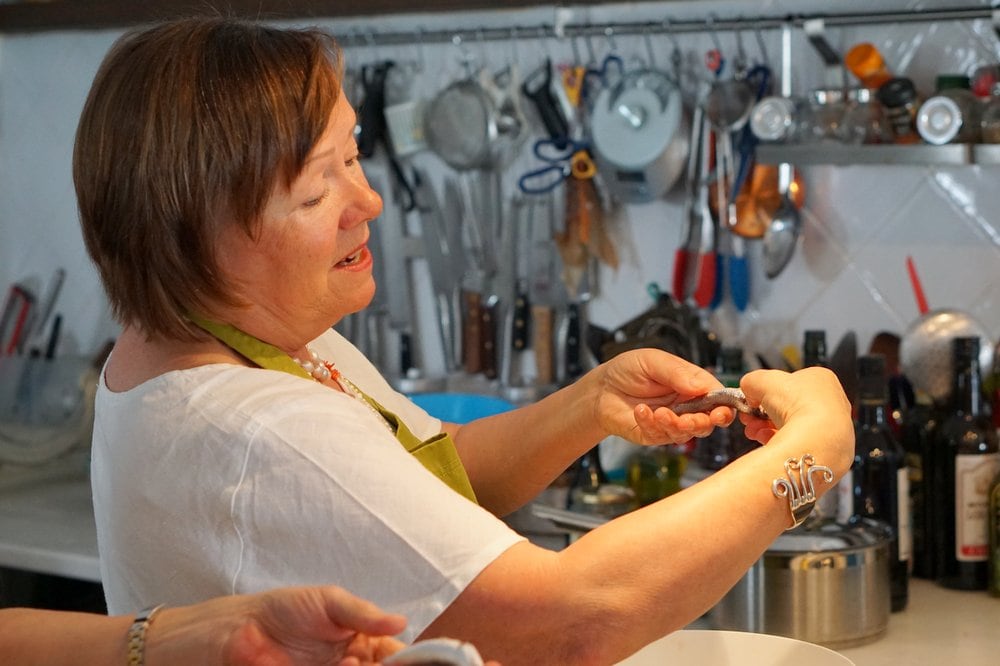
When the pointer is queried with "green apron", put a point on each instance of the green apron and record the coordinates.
(437, 454)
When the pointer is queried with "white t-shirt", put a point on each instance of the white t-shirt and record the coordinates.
(223, 479)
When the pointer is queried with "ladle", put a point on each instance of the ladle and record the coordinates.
(782, 231)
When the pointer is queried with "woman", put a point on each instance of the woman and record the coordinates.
(240, 443)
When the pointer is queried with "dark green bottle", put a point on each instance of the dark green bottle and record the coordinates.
(880, 476)
(966, 459)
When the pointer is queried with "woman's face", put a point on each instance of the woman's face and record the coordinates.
(310, 265)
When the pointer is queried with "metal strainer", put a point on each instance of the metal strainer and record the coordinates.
(925, 351)
(460, 125)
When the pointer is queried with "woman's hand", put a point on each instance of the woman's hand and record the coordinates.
(637, 389)
(813, 401)
(296, 625)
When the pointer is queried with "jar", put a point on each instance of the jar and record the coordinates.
(989, 122)
(866, 62)
(828, 108)
(865, 120)
(899, 97)
(782, 120)
(654, 472)
(952, 115)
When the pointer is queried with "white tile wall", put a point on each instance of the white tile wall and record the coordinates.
(848, 272)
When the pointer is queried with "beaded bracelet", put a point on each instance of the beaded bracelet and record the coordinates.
(137, 635)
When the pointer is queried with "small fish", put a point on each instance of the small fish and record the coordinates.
(729, 397)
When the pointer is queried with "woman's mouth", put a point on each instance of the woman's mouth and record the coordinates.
(356, 258)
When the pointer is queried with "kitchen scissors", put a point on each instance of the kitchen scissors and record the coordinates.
(563, 158)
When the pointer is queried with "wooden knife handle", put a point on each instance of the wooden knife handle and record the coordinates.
(541, 329)
(472, 359)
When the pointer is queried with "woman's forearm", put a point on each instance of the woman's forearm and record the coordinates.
(512, 457)
(51, 638)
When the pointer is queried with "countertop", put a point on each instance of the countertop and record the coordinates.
(48, 527)
(938, 626)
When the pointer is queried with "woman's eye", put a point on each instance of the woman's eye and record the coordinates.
(352, 161)
(315, 201)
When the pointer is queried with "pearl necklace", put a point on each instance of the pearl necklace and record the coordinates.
(321, 371)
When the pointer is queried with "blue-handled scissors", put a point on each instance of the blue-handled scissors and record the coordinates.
(563, 158)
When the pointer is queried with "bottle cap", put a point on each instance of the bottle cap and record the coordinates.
(939, 120)
(949, 81)
(897, 92)
(866, 62)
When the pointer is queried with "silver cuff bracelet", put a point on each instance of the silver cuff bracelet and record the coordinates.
(799, 488)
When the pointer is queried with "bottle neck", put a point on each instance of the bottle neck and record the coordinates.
(872, 413)
(967, 389)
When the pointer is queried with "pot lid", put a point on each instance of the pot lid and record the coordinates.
(632, 124)
(829, 535)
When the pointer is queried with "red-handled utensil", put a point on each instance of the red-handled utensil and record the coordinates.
(918, 289)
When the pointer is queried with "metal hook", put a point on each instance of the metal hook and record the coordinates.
(576, 50)
(609, 34)
(710, 26)
(758, 33)
(514, 50)
(741, 54)
(465, 56)
(649, 47)
(419, 43)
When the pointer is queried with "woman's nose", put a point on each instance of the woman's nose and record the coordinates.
(368, 205)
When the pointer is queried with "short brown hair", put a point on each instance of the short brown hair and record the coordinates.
(190, 125)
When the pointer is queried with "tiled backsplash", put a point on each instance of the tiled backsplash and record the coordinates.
(848, 273)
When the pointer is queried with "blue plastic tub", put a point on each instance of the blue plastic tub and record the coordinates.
(460, 407)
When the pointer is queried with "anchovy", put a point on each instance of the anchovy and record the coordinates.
(730, 397)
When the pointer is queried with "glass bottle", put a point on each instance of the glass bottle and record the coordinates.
(993, 517)
(724, 445)
(989, 122)
(864, 120)
(879, 473)
(865, 61)
(899, 97)
(965, 460)
(814, 348)
(829, 106)
(952, 115)
(918, 434)
(782, 120)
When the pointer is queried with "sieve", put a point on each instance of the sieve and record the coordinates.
(925, 351)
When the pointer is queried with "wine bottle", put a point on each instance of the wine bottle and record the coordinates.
(966, 459)
(993, 516)
(724, 445)
(814, 349)
(918, 435)
(881, 487)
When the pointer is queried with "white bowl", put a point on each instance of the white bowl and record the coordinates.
(697, 647)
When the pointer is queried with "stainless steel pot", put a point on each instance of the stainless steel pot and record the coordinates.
(641, 136)
(826, 584)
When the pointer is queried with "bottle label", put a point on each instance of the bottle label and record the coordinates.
(973, 475)
(904, 516)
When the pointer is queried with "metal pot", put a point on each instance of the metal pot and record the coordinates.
(824, 583)
(925, 351)
(641, 135)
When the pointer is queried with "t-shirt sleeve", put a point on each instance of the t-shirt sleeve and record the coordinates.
(329, 496)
